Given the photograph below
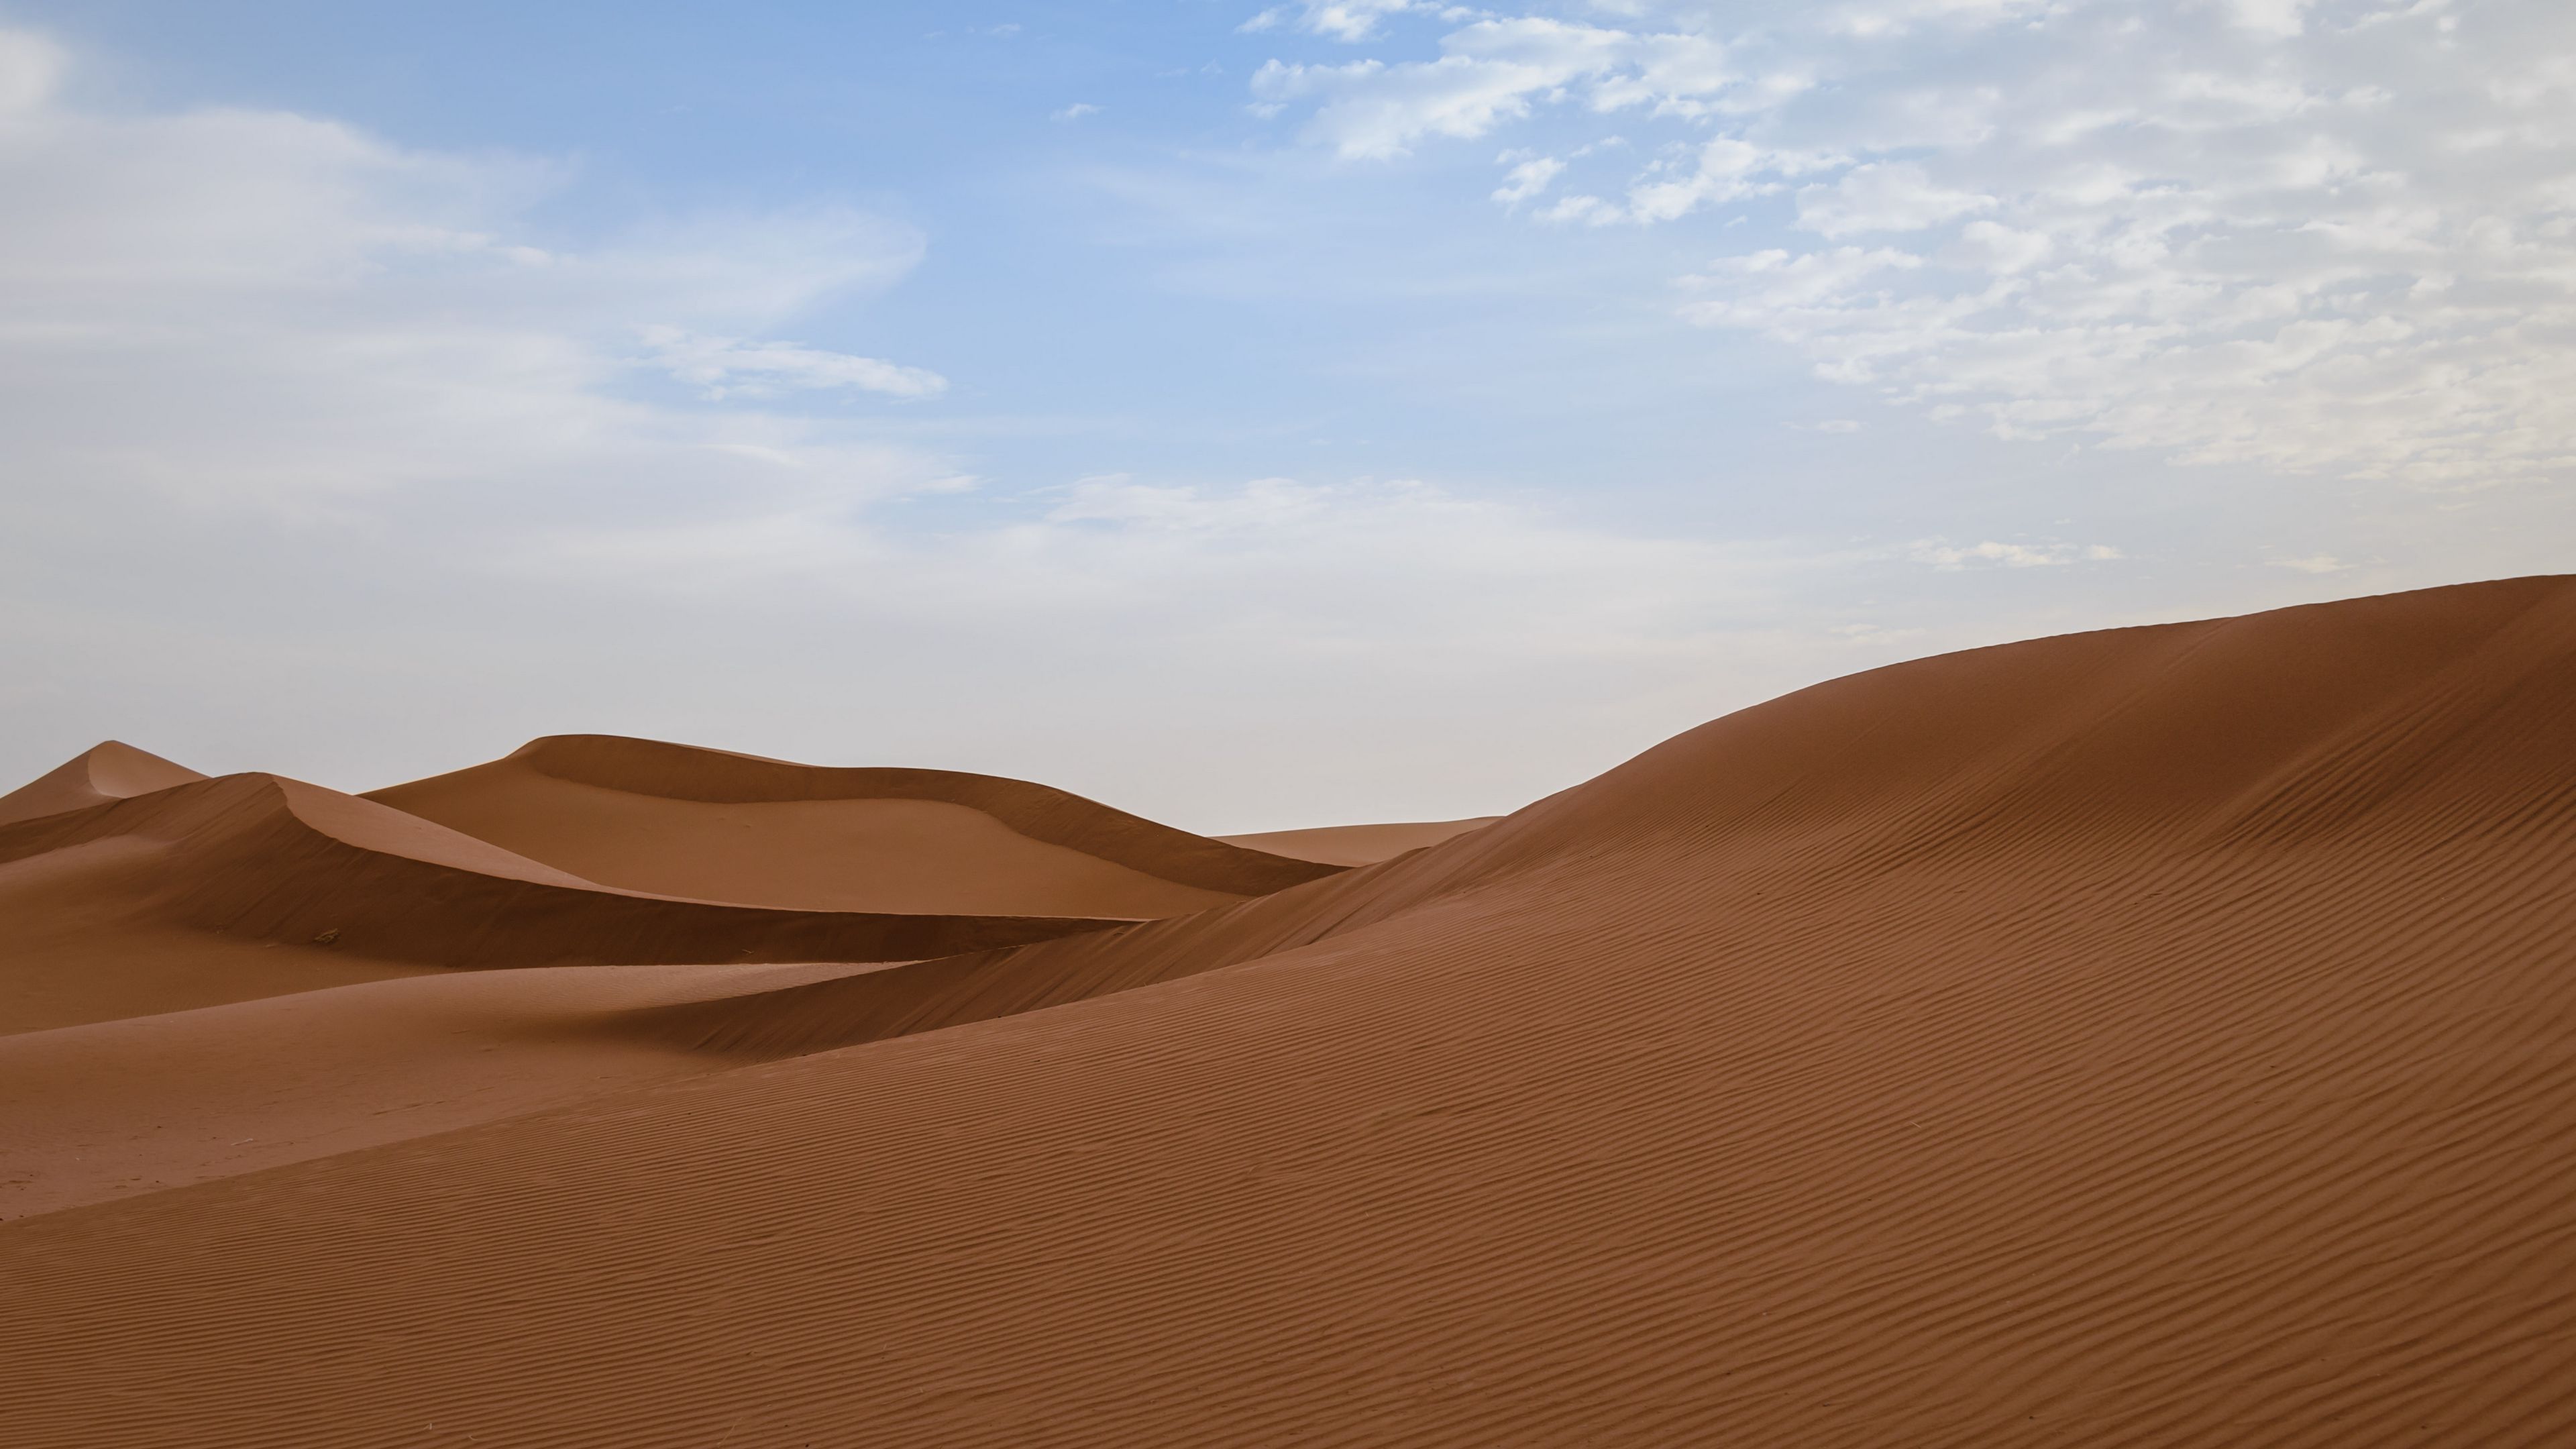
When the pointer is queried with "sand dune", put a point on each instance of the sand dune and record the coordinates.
(677, 820)
(262, 862)
(117, 1107)
(2159, 1036)
(109, 770)
(1357, 844)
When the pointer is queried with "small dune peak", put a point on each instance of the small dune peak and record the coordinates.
(120, 771)
(108, 770)
(640, 814)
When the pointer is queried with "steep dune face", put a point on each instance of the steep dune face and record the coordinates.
(109, 770)
(677, 820)
(267, 862)
(2162, 1036)
(83, 938)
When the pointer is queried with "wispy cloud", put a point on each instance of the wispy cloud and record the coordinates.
(2212, 231)
(2320, 563)
(1344, 20)
(241, 307)
(2011, 555)
(1489, 72)
(251, 359)
(729, 366)
(1527, 179)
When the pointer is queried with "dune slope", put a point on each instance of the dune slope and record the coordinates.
(113, 902)
(1358, 844)
(117, 1107)
(678, 820)
(109, 770)
(2162, 1036)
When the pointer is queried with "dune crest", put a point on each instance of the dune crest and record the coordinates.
(262, 861)
(1358, 844)
(2161, 1036)
(108, 770)
(677, 819)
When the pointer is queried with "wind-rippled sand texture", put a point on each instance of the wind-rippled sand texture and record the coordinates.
(2160, 1036)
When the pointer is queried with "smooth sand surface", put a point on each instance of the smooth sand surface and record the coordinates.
(258, 862)
(117, 1107)
(85, 940)
(676, 820)
(1358, 844)
(841, 855)
(2159, 1036)
(109, 770)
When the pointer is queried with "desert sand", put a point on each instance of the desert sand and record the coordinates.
(2154, 1036)
(109, 770)
(1358, 844)
(706, 823)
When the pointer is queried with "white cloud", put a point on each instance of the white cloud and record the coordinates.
(229, 307)
(1880, 20)
(2270, 17)
(1116, 498)
(2321, 563)
(2011, 555)
(1724, 169)
(2333, 238)
(1345, 20)
(1991, 247)
(1076, 111)
(1883, 196)
(1362, 568)
(1672, 74)
(1528, 179)
(730, 366)
(1785, 286)
(1874, 634)
(30, 67)
(1726, 166)
(1489, 71)
(297, 414)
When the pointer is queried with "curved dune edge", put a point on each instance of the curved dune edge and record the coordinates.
(1358, 844)
(83, 944)
(860, 854)
(1039, 812)
(2157, 1037)
(2155, 739)
(262, 858)
(108, 770)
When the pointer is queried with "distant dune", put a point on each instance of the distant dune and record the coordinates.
(267, 861)
(110, 770)
(682, 821)
(196, 891)
(1358, 844)
(2161, 1036)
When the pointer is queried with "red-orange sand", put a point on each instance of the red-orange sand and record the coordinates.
(2159, 1036)
(1358, 844)
(706, 823)
(111, 770)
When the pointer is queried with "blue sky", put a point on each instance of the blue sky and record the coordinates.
(1251, 416)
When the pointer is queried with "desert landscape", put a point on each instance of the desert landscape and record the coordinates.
(2155, 1036)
